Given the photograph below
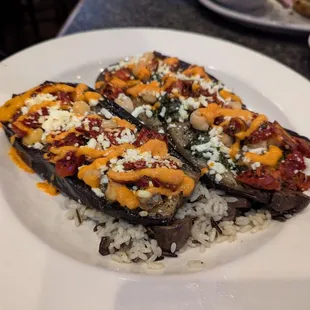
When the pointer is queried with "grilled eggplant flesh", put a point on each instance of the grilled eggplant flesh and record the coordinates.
(238, 150)
(43, 161)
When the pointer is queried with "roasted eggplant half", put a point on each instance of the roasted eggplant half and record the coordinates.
(88, 150)
(236, 149)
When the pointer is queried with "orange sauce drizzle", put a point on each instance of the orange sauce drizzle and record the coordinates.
(18, 161)
(47, 188)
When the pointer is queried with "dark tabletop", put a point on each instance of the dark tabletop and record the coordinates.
(187, 15)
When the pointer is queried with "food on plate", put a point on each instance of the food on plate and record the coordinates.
(143, 198)
(286, 3)
(201, 222)
(237, 150)
(95, 157)
(302, 7)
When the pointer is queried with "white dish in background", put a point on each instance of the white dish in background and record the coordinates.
(270, 17)
(47, 263)
(242, 5)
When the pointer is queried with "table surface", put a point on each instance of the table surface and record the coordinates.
(188, 15)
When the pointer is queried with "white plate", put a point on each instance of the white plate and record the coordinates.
(47, 263)
(273, 17)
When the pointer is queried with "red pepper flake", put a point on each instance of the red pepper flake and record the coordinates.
(144, 182)
(263, 133)
(145, 135)
(63, 97)
(136, 165)
(123, 74)
(68, 166)
(19, 133)
(235, 126)
(291, 172)
(262, 178)
(32, 120)
(303, 146)
(112, 92)
(70, 140)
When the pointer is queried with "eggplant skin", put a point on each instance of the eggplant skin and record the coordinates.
(279, 203)
(77, 190)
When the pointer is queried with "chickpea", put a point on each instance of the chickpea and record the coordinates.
(149, 97)
(227, 140)
(198, 121)
(137, 68)
(108, 124)
(111, 192)
(126, 103)
(262, 144)
(235, 105)
(33, 137)
(148, 57)
(80, 108)
(175, 160)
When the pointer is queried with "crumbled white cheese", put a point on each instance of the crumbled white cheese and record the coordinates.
(38, 146)
(103, 141)
(106, 113)
(245, 148)
(93, 102)
(246, 160)
(59, 120)
(40, 98)
(255, 165)
(307, 163)
(92, 143)
(259, 150)
(104, 179)
(217, 167)
(183, 114)
(171, 125)
(147, 109)
(163, 69)
(203, 100)
(149, 113)
(161, 131)
(24, 110)
(190, 103)
(163, 112)
(98, 191)
(126, 137)
(218, 178)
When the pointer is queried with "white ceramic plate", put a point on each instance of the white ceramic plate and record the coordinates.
(47, 263)
(272, 17)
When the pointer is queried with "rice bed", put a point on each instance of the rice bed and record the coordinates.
(131, 243)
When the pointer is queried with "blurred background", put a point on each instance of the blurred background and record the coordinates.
(26, 22)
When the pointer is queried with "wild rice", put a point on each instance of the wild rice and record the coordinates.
(131, 243)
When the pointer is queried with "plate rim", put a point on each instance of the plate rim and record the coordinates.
(46, 43)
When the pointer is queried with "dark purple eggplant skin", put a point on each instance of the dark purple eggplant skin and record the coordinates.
(77, 190)
(279, 203)
(177, 232)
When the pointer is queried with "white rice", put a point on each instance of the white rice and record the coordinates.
(131, 243)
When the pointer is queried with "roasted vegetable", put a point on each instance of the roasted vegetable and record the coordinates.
(93, 154)
(237, 150)
(177, 232)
